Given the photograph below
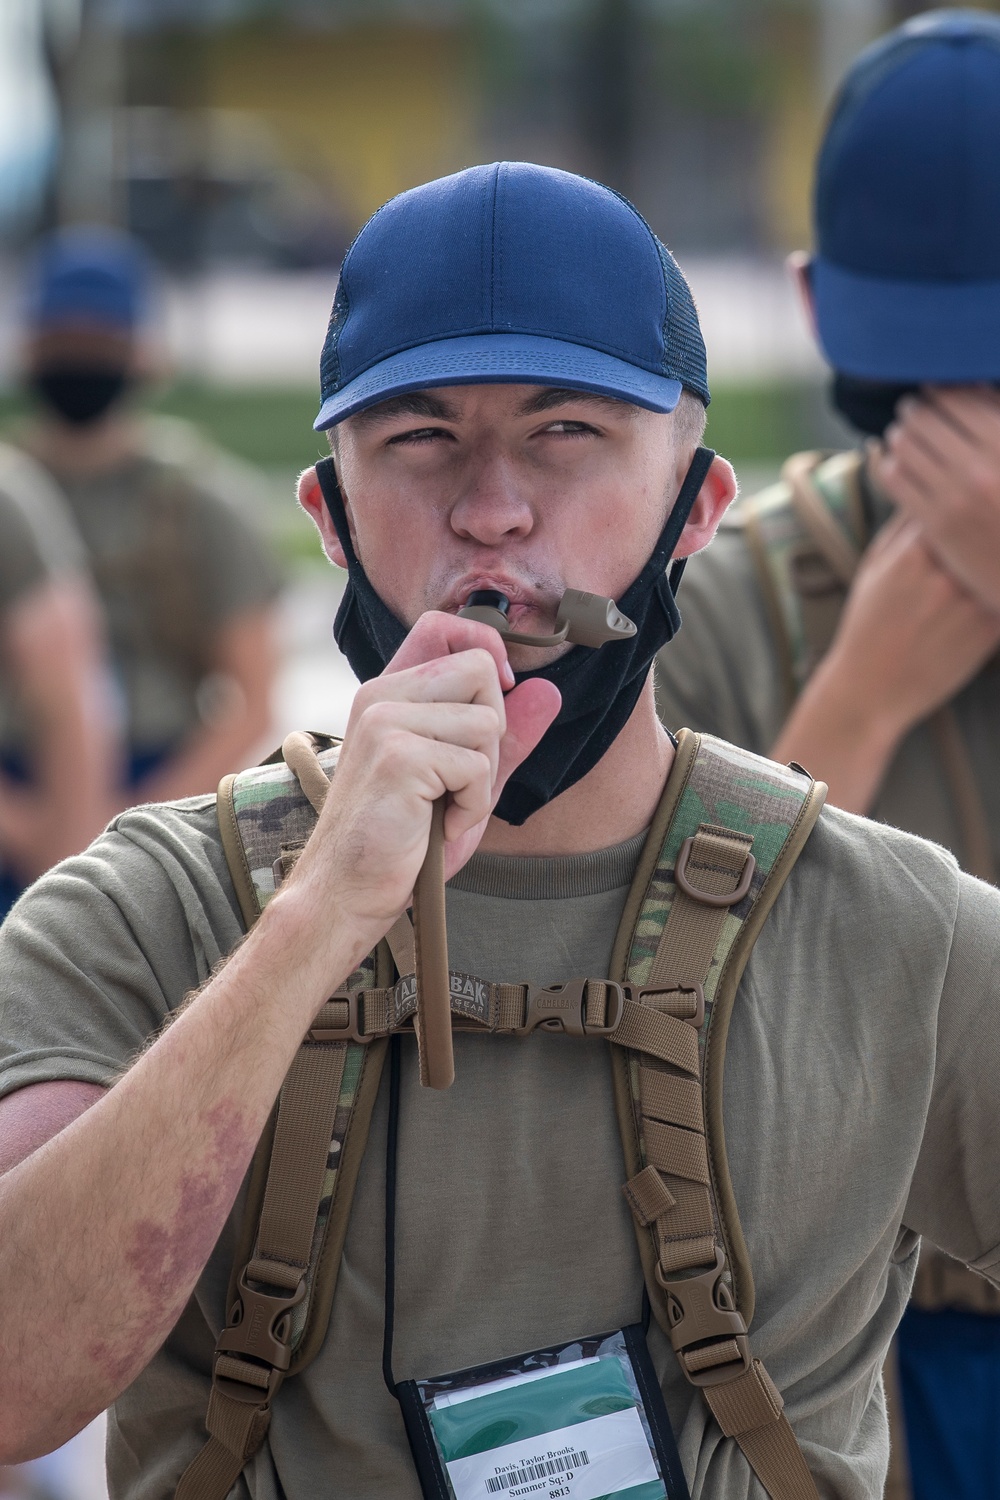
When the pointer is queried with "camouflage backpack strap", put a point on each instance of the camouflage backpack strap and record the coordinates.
(805, 536)
(306, 1166)
(719, 852)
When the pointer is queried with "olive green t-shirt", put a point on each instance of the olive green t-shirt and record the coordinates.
(175, 554)
(860, 1109)
(722, 674)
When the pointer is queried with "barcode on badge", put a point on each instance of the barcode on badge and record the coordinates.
(543, 1470)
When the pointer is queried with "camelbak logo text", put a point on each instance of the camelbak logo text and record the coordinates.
(469, 997)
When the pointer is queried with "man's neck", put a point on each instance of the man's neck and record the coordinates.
(86, 450)
(612, 803)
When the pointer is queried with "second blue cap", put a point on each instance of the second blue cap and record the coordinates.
(906, 276)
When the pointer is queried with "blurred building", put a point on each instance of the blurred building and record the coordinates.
(263, 132)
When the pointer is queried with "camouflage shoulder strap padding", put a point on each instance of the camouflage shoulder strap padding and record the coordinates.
(805, 536)
(717, 856)
(285, 1270)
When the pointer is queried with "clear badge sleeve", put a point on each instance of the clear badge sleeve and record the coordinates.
(577, 1421)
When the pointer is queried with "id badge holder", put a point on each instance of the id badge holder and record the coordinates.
(578, 1421)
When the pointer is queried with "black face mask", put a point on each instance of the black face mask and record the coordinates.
(79, 393)
(868, 405)
(599, 688)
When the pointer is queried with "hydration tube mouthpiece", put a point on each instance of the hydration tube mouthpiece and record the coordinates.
(582, 619)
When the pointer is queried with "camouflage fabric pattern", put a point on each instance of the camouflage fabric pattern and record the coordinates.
(272, 812)
(735, 789)
(783, 535)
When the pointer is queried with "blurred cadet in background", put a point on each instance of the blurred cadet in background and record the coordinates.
(187, 585)
(848, 618)
(56, 744)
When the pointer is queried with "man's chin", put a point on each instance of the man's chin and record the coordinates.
(530, 658)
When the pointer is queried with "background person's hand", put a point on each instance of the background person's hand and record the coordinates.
(909, 638)
(940, 465)
(436, 722)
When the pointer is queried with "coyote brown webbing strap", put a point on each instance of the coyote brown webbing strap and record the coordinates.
(430, 933)
(673, 1195)
(253, 1351)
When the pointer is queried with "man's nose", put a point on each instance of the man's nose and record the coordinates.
(493, 505)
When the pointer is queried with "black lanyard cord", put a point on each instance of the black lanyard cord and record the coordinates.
(391, 1154)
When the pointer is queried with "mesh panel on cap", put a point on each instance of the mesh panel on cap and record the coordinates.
(329, 365)
(683, 345)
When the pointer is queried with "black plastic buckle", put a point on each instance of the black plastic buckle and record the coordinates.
(708, 898)
(701, 1312)
(637, 993)
(353, 1031)
(563, 1007)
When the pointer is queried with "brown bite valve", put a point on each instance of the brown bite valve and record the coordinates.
(582, 619)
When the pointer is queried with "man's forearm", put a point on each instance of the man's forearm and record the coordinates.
(209, 753)
(105, 1229)
(831, 732)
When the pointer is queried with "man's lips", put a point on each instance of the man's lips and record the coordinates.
(517, 595)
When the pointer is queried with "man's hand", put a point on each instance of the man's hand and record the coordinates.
(909, 638)
(436, 722)
(940, 464)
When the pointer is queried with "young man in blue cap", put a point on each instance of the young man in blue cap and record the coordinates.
(187, 585)
(514, 381)
(849, 617)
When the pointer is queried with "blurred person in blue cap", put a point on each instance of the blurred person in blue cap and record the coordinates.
(848, 617)
(187, 585)
(800, 1005)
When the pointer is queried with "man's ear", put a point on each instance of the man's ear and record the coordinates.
(799, 266)
(717, 493)
(312, 502)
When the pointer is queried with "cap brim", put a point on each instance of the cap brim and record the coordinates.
(501, 359)
(907, 332)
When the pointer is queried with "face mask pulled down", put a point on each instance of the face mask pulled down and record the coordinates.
(599, 687)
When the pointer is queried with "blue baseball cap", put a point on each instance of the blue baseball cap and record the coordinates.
(906, 278)
(510, 273)
(89, 275)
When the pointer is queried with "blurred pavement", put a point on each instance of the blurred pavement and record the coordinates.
(237, 327)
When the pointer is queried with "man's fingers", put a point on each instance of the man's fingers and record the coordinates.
(923, 428)
(467, 677)
(437, 634)
(973, 409)
(472, 726)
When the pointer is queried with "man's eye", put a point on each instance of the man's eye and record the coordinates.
(421, 435)
(566, 428)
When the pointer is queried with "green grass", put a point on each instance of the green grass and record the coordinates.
(272, 426)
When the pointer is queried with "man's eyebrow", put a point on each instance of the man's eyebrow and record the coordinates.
(550, 396)
(410, 404)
